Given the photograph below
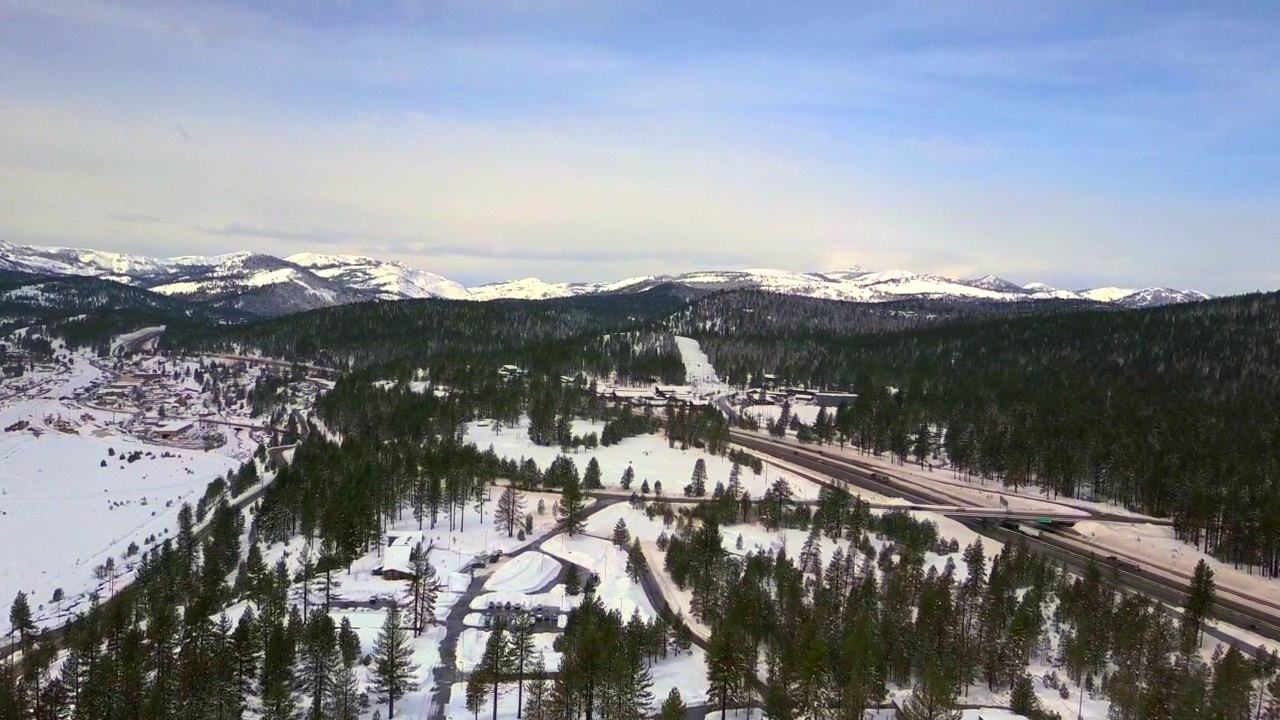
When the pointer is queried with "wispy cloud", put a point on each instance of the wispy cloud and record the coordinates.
(1062, 142)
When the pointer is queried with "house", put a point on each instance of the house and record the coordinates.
(510, 371)
(395, 558)
(395, 563)
(172, 429)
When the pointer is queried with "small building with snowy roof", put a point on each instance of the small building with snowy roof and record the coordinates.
(395, 557)
(172, 429)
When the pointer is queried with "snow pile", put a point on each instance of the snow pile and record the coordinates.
(524, 573)
(616, 590)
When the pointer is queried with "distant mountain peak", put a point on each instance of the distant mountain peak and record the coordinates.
(267, 285)
(996, 284)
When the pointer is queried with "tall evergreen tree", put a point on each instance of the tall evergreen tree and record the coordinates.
(510, 510)
(497, 661)
(20, 620)
(572, 509)
(522, 648)
(394, 672)
(591, 478)
(1199, 603)
(673, 708)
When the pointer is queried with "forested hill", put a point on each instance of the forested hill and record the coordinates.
(595, 334)
(89, 312)
(1174, 410)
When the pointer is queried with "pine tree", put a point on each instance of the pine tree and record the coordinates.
(931, 698)
(572, 512)
(537, 699)
(1272, 709)
(811, 554)
(1022, 699)
(734, 488)
(673, 708)
(637, 563)
(621, 536)
(522, 648)
(424, 588)
(698, 483)
(1199, 604)
(319, 656)
(725, 672)
(345, 701)
(628, 477)
(591, 478)
(510, 509)
(476, 693)
(20, 620)
(279, 691)
(393, 667)
(496, 661)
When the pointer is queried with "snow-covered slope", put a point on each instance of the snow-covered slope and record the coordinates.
(267, 285)
(388, 280)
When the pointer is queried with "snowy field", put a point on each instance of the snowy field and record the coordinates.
(648, 455)
(62, 512)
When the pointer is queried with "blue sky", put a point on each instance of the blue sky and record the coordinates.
(1074, 143)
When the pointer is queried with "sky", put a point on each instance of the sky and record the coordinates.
(1076, 143)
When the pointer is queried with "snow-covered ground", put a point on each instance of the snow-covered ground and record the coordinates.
(62, 512)
(648, 455)
(523, 573)
(451, 554)
(699, 373)
(471, 649)
(1150, 545)
(616, 590)
(807, 414)
(1157, 545)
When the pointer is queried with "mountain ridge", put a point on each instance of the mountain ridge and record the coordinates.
(262, 284)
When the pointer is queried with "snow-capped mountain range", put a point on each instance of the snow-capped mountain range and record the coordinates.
(266, 285)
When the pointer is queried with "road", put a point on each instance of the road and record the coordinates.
(1242, 609)
(280, 364)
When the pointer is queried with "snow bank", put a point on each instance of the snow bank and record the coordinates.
(523, 573)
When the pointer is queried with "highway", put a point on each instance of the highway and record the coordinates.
(1244, 610)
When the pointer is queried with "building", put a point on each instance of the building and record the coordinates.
(395, 558)
(833, 399)
(510, 371)
(172, 429)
